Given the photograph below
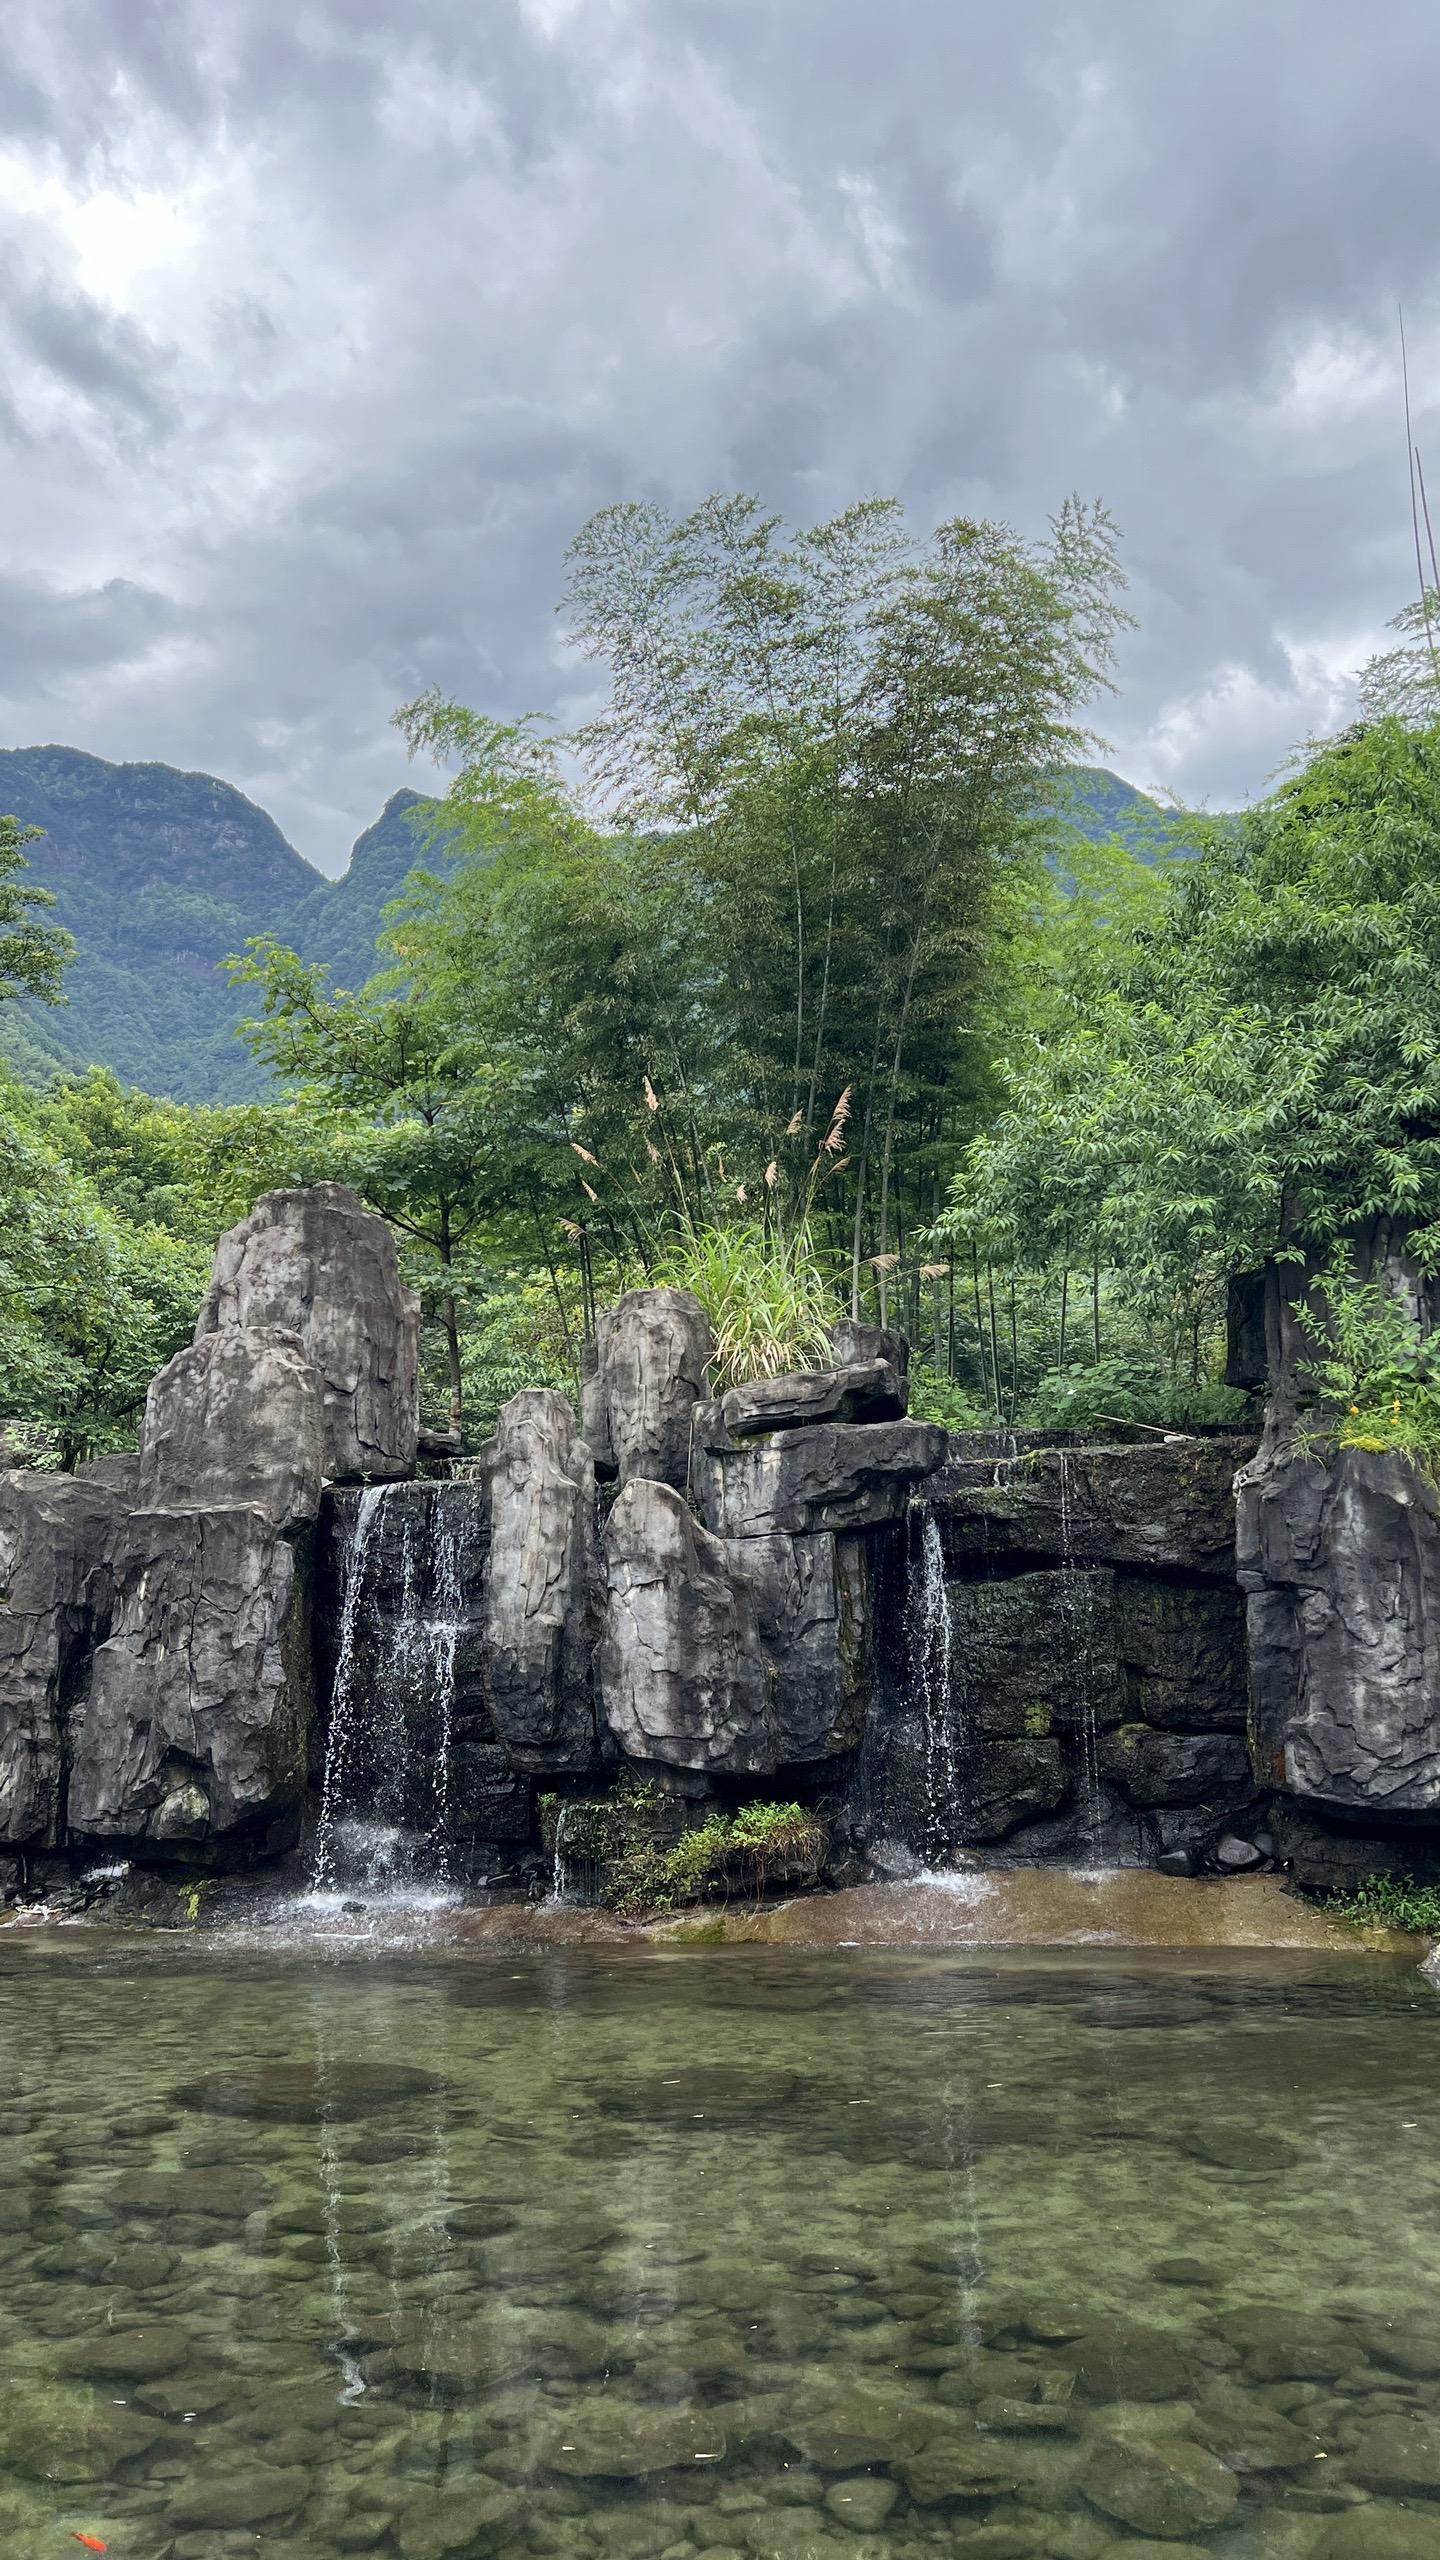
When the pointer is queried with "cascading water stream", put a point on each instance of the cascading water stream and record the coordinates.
(386, 1808)
(931, 1656)
(1077, 1602)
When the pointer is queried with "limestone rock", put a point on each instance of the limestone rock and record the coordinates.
(868, 1391)
(813, 1615)
(681, 1675)
(832, 1475)
(1181, 1650)
(196, 1725)
(317, 1263)
(1031, 1653)
(238, 1417)
(58, 1538)
(540, 1600)
(1340, 1559)
(648, 1369)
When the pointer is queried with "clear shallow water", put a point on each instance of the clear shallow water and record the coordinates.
(736, 2252)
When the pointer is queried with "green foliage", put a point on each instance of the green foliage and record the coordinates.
(1126, 1388)
(1391, 1902)
(513, 1336)
(750, 1844)
(936, 1398)
(110, 1206)
(33, 954)
(1375, 1371)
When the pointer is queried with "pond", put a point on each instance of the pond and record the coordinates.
(740, 2253)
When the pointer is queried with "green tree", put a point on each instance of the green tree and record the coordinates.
(33, 954)
(410, 1102)
(1255, 1070)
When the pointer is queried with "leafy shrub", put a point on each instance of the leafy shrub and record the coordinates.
(936, 1398)
(1377, 1372)
(1391, 1902)
(1083, 1396)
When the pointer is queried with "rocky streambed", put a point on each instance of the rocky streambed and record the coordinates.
(686, 2253)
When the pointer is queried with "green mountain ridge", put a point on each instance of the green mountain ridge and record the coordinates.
(159, 874)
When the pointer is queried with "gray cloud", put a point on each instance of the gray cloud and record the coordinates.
(351, 314)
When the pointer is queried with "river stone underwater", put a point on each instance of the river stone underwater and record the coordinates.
(741, 2254)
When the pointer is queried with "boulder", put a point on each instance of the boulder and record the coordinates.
(58, 1540)
(317, 1263)
(237, 1418)
(648, 1368)
(869, 1391)
(1167, 1506)
(813, 1616)
(1340, 1561)
(1167, 2488)
(541, 1592)
(681, 1675)
(195, 1729)
(855, 1343)
(831, 1475)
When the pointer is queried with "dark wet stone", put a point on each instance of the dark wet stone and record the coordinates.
(221, 2499)
(457, 2520)
(1171, 2487)
(1288, 2346)
(1398, 2454)
(1119, 2360)
(850, 2430)
(1249, 2437)
(1240, 2147)
(862, 2503)
(1025, 2417)
(623, 2442)
(129, 2355)
(1406, 2347)
(217, 2195)
(1380, 2533)
(1185, 2271)
(307, 2092)
(957, 2465)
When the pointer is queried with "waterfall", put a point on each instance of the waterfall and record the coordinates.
(559, 1882)
(1077, 1609)
(930, 1644)
(386, 1813)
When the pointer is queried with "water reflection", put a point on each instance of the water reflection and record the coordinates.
(742, 2253)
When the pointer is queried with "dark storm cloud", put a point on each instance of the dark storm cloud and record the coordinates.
(351, 313)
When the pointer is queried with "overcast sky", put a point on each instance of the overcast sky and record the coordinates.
(327, 322)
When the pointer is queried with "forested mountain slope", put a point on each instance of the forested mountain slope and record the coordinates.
(158, 874)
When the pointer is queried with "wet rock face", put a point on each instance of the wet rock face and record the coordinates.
(318, 1264)
(1168, 1508)
(826, 1476)
(1340, 1559)
(238, 1418)
(814, 1621)
(682, 1679)
(541, 1593)
(194, 1732)
(58, 1538)
(648, 1369)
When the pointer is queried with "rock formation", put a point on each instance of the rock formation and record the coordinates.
(647, 1370)
(1340, 1558)
(317, 1263)
(681, 1674)
(540, 1603)
(58, 1536)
